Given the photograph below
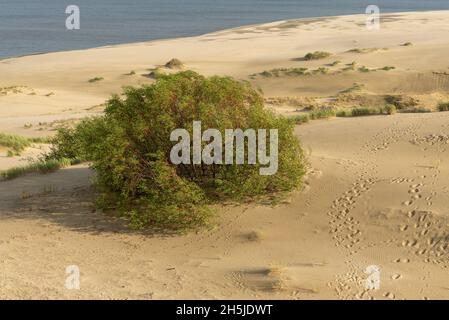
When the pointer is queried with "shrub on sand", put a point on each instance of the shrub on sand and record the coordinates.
(17, 144)
(317, 55)
(174, 64)
(129, 148)
(443, 106)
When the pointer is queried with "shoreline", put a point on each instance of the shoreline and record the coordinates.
(388, 13)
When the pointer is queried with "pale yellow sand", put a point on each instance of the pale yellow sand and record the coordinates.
(377, 194)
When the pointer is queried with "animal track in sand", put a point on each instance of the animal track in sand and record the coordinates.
(426, 236)
(343, 226)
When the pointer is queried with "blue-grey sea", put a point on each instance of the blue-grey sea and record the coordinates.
(33, 26)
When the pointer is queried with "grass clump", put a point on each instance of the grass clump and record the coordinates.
(278, 72)
(301, 119)
(387, 68)
(322, 113)
(17, 144)
(174, 64)
(96, 79)
(367, 111)
(129, 148)
(401, 102)
(407, 44)
(317, 55)
(41, 166)
(443, 106)
(364, 69)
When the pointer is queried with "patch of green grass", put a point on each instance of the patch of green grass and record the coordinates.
(18, 143)
(355, 88)
(443, 106)
(317, 55)
(96, 79)
(322, 113)
(278, 72)
(41, 166)
(365, 50)
(301, 119)
(174, 64)
(364, 69)
(416, 110)
(322, 70)
(333, 64)
(296, 71)
(367, 111)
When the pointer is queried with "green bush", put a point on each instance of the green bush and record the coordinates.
(301, 119)
(129, 148)
(317, 55)
(443, 106)
(389, 109)
(17, 144)
(367, 111)
(322, 113)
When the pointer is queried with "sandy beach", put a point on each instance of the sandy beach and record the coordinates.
(377, 192)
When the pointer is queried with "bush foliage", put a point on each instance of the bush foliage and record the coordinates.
(129, 148)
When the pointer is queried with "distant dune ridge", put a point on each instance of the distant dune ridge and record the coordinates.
(376, 192)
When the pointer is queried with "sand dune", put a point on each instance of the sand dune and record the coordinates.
(377, 192)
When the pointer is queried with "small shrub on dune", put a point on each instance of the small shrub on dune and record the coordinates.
(174, 64)
(17, 144)
(389, 109)
(301, 119)
(317, 55)
(443, 106)
(129, 148)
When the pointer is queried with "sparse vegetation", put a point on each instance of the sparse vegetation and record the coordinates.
(401, 102)
(387, 68)
(443, 106)
(17, 144)
(333, 64)
(96, 79)
(364, 69)
(129, 148)
(131, 73)
(321, 70)
(367, 111)
(174, 64)
(407, 44)
(317, 55)
(301, 119)
(365, 50)
(322, 113)
(41, 166)
(416, 110)
(356, 87)
(278, 72)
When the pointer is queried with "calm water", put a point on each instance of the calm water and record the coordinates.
(30, 26)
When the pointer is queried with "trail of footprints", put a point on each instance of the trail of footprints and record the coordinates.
(343, 226)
